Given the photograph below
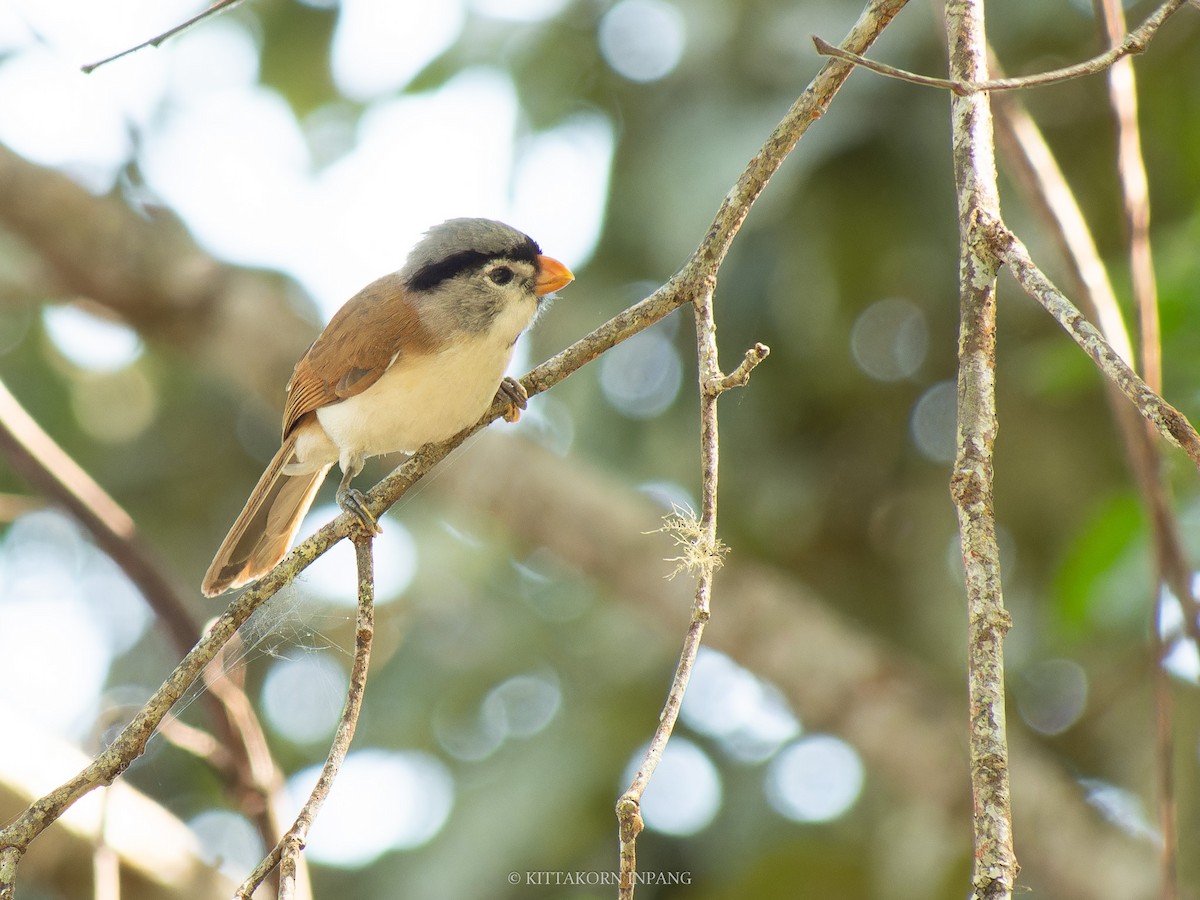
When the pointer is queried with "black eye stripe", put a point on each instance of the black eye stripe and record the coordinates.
(433, 274)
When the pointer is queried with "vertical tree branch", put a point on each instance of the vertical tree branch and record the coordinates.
(286, 853)
(629, 819)
(703, 553)
(971, 484)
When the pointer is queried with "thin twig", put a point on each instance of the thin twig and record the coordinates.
(1164, 741)
(196, 741)
(740, 376)
(218, 7)
(292, 842)
(1135, 195)
(1135, 42)
(1040, 178)
(705, 555)
(995, 869)
(824, 48)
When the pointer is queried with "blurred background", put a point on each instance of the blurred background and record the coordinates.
(175, 228)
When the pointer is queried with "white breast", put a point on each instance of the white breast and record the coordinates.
(423, 398)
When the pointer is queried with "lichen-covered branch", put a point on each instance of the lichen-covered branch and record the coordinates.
(996, 867)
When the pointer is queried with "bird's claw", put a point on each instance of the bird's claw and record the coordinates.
(513, 392)
(352, 501)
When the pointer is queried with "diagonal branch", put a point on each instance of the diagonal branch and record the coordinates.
(47, 468)
(1169, 422)
(218, 7)
(1038, 175)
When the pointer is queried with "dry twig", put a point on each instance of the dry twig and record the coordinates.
(1135, 42)
(1041, 180)
(703, 555)
(218, 7)
(696, 282)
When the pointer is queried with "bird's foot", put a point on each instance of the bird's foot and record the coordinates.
(353, 502)
(514, 393)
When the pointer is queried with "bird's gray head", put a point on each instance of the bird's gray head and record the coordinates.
(462, 245)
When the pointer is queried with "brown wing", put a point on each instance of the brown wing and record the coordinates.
(375, 327)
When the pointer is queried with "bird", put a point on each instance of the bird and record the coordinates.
(414, 357)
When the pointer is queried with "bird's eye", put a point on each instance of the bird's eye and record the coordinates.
(501, 275)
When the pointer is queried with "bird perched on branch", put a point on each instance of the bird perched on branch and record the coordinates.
(414, 357)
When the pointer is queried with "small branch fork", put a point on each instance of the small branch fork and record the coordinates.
(997, 244)
(1039, 177)
(1135, 42)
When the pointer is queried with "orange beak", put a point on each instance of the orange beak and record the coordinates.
(552, 275)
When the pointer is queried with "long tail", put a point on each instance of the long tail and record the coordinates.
(263, 532)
